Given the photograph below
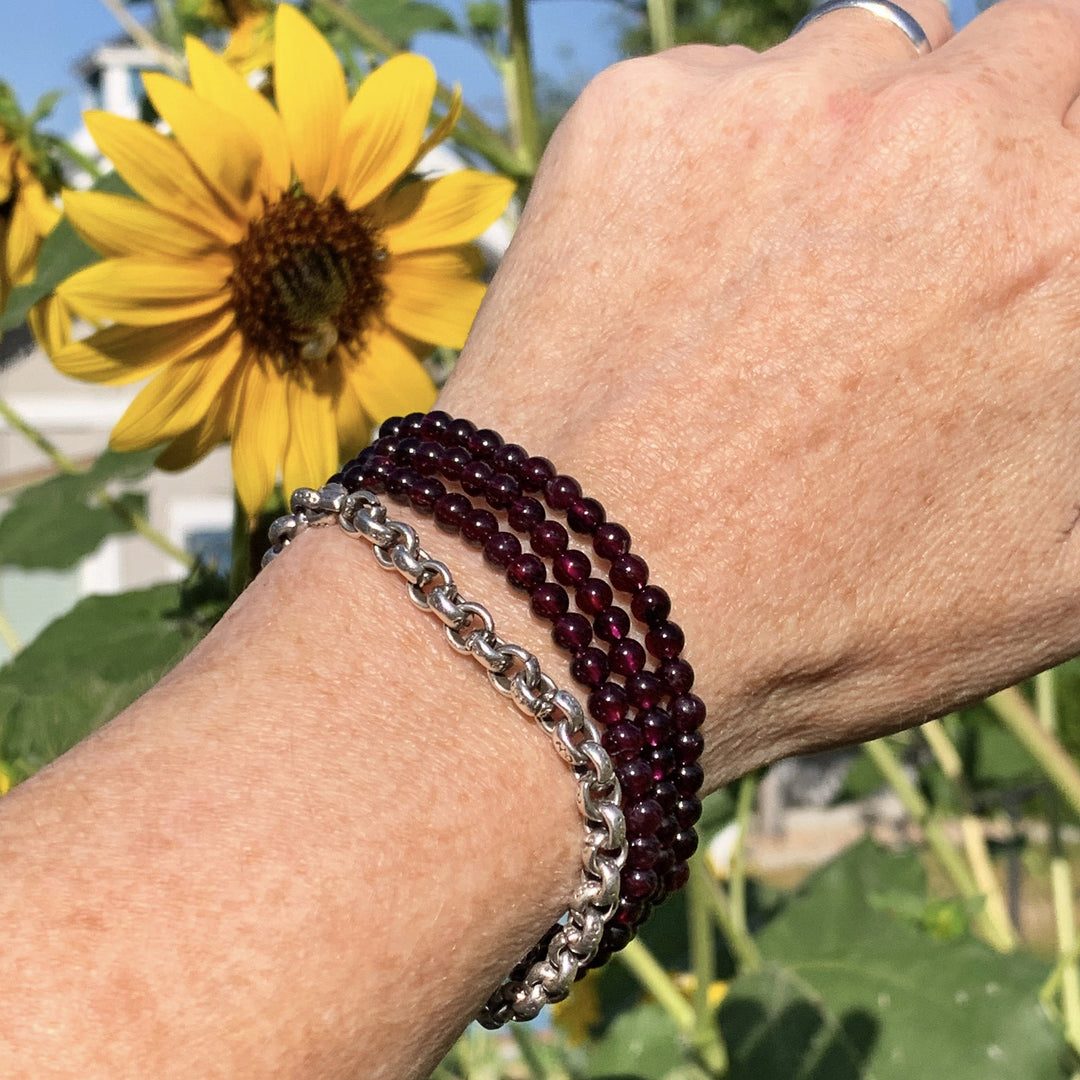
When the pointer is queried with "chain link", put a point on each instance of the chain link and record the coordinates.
(548, 972)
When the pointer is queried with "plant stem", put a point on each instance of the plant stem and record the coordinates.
(540, 1063)
(521, 90)
(1011, 707)
(64, 464)
(138, 33)
(744, 807)
(707, 1039)
(881, 754)
(168, 25)
(1065, 922)
(472, 130)
(644, 967)
(661, 15)
(742, 945)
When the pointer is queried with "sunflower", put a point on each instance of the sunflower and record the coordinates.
(284, 270)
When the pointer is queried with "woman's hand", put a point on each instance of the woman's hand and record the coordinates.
(807, 323)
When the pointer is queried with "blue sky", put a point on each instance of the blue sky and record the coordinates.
(573, 39)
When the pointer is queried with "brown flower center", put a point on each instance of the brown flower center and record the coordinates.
(308, 278)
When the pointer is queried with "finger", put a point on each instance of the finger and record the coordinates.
(1024, 51)
(853, 43)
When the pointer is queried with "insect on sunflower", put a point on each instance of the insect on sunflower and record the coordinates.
(282, 268)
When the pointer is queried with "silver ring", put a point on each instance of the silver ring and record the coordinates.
(883, 9)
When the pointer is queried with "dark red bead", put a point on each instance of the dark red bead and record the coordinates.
(590, 667)
(642, 852)
(549, 539)
(478, 526)
(453, 460)
(617, 937)
(549, 601)
(501, 490)
(526, 572)
(561, 491)
(627, 914)
(450, 509)
(435, 424)
(657, 726)
(484, 442)
(407, 449)
(355, 474)
(509, 458)
(612, 624)
(585, 515)
(665, 640)
(651, 605)
(624, 741)
(627, 656)
(525, 513)
(688, 746)
(594, 596)
(667, 795)
(666, 830)
(643, 818)
(425, 492)
(664, 863)
(688, 778)
(535, 473)
(644, 690)
(428, 458)
(687, 811)
(639, 884)
(677, 675)
(679, 876)
(474, 477)
(611, 540)
(390, 427)
(502, 549)
(572, 631)
(629, 573)
(385, 446)
(410, 425)
(635, 779)
(687, 712)
(379, 472)
(572, 568)
(607, 703)
(399, 479)
(458, 432)
(661, 761)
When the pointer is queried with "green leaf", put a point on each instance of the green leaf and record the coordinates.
(849, 992)
(87, 666)
(402, 20)
(642, 1042)
(54, 524)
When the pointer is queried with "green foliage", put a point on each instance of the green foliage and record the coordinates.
(54, 524)
(757, 24)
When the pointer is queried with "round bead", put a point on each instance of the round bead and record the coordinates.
(644, 690)
(450, 509)
(453, 460)
(425, 492)
(629, 573)
(535, 473)
(657, 726)
(399, 479)
(661, 761)
(434, 424)
(354, 475)
(526, 572)
(667, 795)
(607, 703)
(501, 549)
(676, 675)
(571, 632)
(639, 884)
(484, 442)
(428, 458)
(627, 656)
(572, 568)
(612, 624)
(688, 778)
(678, 877)
(664, 863)
(561, 491)
(549, 539)
(593, 597)
(643, 818)
(410, 425)
(688, 746)
(624, 741)
(687, 712)
(617, 936)
(379, 472)
(385, 446)
(390, 427)
(585, 515)
(549, 600)
(478, 526)
(611, 540)
(509, 458)
(651, 605)
(687, 811)
(665, 640)
(590, 667)
(627, 914)
(501, 490)
(666, 830)
(525, 513)
(458, 432)
(407, 449)
(642, 852)
(474, 477)
(635, 779)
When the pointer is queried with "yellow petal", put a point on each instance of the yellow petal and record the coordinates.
(311, 454)
(384, 126)
(215, 81)
(450, 210)
(146, 292)
(390, 381)
(311, 97)
(218, 144)
(161, 173)
(442, 129)
(22, 245)
(354, 424)
(116, 225)
(177, 399)
(209, 433)
(433, 295)
(122, 354)
(260, 435)
(50, 323)
(34, 200)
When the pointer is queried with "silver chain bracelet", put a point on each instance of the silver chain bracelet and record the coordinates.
(548, 972)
